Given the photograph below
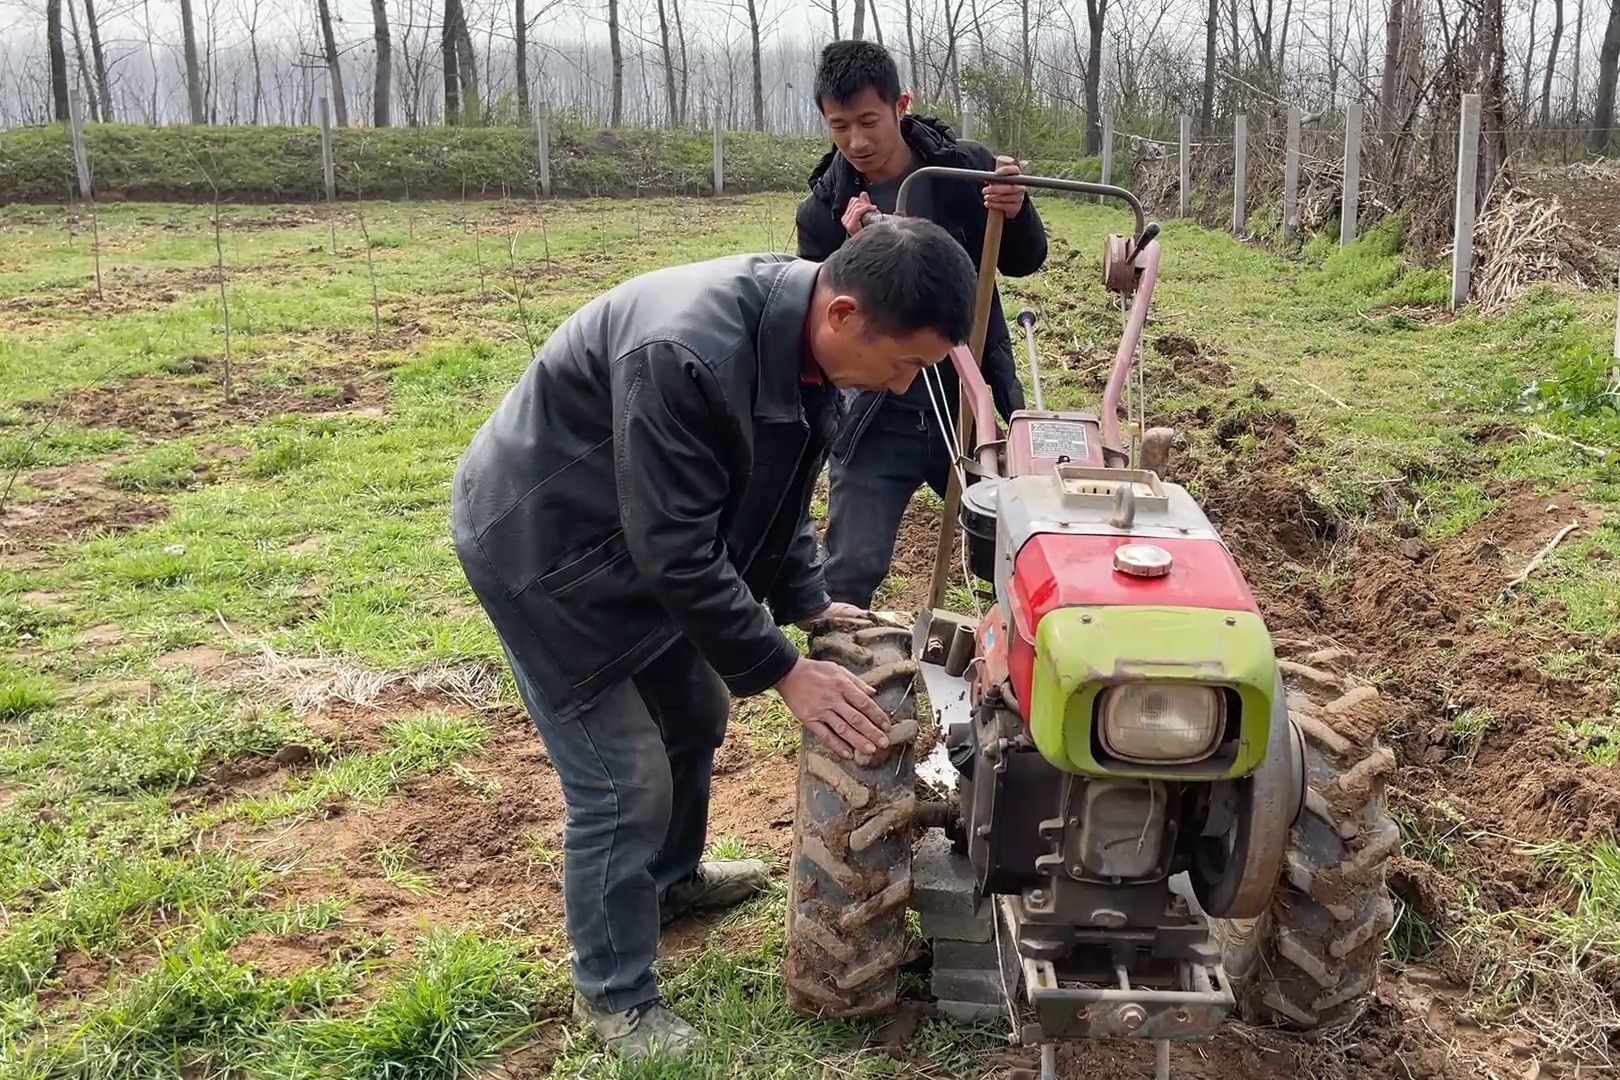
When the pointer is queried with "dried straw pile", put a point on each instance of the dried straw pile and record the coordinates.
(1521, 241)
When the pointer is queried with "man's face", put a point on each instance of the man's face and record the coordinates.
(866, 130)
(857, 356)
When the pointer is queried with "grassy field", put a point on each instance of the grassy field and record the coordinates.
(268, 806)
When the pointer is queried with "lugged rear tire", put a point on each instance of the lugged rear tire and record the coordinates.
(853, 827)
(1311, 961)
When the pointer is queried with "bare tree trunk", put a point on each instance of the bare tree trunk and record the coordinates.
(911, 44)
(452, 78)
(85, 84)
(1389, 98)
(194, 88)
(1282, 43)
(58, 60)
(759, 60)
(668, 54)
(151, 56)
(1206, 108)
(1236, 56)
(1552, 63)
(1608, 69)
(383, 79)
(1334, 58)
(1096, 12)
(877, 25)
(1027, 56)
(520, 45)
(258, 68)
(1493, 123)
(1580, 46)
(616, 116)
(1529, 57)
(860, 19)
(99, 57)
(686, 67)
(334, 70)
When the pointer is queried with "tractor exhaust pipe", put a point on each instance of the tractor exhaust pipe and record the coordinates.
(1027, 319)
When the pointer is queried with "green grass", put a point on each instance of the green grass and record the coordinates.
(323, 534)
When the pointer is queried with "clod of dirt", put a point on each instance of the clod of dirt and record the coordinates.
(293, 754)
(1415, 549)
(1175, 345)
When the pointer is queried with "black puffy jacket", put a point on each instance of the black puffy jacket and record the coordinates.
(649, 477)
(958, 207)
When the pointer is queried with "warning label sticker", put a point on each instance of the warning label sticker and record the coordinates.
(1058, 438)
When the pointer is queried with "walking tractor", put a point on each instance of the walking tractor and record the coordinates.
(1137, 831)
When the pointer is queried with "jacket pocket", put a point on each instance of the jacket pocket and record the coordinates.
(580, 568)
(596, 616)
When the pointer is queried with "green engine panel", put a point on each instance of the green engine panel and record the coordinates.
(1082, 651)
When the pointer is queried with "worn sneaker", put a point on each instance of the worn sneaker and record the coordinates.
(715, 885)
(649, 1028)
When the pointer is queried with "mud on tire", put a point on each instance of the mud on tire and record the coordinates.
(850, 876)
(1311, 961)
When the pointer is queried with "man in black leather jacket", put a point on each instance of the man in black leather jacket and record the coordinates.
(891, 444)
(634, 519)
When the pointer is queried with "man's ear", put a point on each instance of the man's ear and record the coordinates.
(902, 104)
(840, 310)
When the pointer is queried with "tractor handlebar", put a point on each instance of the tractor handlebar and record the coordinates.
(1144, 231)
(1130, 266)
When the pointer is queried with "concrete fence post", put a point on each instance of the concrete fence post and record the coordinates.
(542, 143)
(1350, 203)
(81, 157)
(1291, 177)
(1240, 174)
(719, 153)
(1186, 165)
(1107, 149)
(328, 167)
(1462, 247)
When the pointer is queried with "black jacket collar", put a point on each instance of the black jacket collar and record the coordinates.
(780, 345)
(835, 181)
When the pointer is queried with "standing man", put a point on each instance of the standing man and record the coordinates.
(891, 443)
(634, 519)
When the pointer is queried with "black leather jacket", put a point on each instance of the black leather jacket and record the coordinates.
(957, 206)
(650, 476)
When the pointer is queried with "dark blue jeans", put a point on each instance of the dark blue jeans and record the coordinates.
(635, 770)
(868, 492)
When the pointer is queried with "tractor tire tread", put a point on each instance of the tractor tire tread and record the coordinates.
(1312, 959)
(854, 824)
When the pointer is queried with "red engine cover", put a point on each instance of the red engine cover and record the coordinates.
(1058, 570)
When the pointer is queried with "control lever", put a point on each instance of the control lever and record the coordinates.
(1027, 319)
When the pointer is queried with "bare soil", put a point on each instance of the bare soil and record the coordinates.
(73, 505)
(486, 839)
(166, 406)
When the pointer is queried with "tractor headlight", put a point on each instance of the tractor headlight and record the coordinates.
(1164, 724)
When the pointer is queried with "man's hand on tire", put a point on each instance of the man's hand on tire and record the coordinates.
(836, 610)
(835, 706)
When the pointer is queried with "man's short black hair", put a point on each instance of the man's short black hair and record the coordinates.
(849, 67)
(910, 275)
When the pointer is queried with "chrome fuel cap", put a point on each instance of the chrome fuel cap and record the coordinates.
(1142, 560)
